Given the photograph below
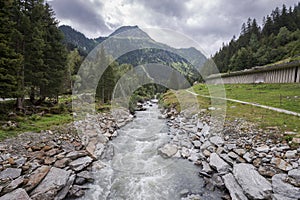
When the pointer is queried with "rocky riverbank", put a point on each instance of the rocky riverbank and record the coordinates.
(57, 164)
(242, 160)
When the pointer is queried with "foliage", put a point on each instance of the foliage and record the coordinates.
(276, 40)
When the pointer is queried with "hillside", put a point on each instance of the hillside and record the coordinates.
(185, 60)
(277, 39)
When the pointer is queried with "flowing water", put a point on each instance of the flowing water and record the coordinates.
(138, 172)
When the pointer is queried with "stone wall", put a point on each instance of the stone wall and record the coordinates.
(284, 73)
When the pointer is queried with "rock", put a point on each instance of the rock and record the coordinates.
(13, 185)
(49, 160)
(281, 164)
(205, 145)
(10, 173)
(63, 192)
(206, 153)
(217, 140)
(233, 155)
(218, 163)
(295, 174)
(168, 150)
(247, 157)
(86, 175)
(235, 190)
(36, 177)
(197, 144)
(55, 180)
(240, 152)
(225, 157)
(18, 194)
(263, 148)
(76, 154)
(296, 140)
(76, 191)
(257, 162)
(280, 197)
(291, 154)
(206, 168)
(266, 171)
(62, 163)
(231, 146)
(80, 163)
(283, 188)
(185, 152)
(254, 185)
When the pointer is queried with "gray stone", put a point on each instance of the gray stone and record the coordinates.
(254, 185)
(206, 168)
(263, 148)
(10, 173)
(225, 157)
(233, 155)
(205, 145)
(86, 175)
(197, 144)
(63, 192)
(80, 163)
(55, 180)
(283, 188)
(235, 190)
(281, 164)
(240, 152)
(280, 197)
(291, 154)
(217, 140)
(295, 174)
(18, 194)
(218, 163)
(76, 154)
(13, 185)
(231, 146)
(168, 150)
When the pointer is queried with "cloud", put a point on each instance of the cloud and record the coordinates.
(83, 15)
(209, 22)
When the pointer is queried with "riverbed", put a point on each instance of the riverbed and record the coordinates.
(137, 170)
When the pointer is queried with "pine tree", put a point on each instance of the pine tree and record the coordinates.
(10, 61)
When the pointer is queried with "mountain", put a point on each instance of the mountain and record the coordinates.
(141, 48)
(74, 39)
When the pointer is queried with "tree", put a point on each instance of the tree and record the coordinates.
(10, 60)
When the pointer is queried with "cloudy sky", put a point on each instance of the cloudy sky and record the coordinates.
(209, 22)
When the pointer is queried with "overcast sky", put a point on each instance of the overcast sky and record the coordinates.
(209, 22)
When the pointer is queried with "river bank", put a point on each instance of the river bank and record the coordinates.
(56, 164)
(247, 162)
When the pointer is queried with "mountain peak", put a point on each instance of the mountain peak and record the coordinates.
(130, 31)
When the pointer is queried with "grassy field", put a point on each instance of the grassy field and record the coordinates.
(267, 94)
(285, 96)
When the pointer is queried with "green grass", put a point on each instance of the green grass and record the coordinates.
(285, 96)
(35, 123)
(264, 94)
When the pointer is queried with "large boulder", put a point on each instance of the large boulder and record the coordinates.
(254, 185)
(168, 150)
(283, 188)
(18, 194)
(235, 190)
(81, 163)
(10, 173)
(218, 163)
(55, 180)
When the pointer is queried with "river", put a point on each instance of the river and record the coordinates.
(138, 172)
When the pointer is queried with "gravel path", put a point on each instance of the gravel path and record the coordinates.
(252, 104)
